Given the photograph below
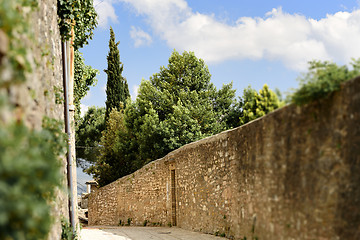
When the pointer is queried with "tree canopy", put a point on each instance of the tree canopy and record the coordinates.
(88, 135)
(117, 90)
(85, 128)
(113, 161)
(177, 106)
(255, 105)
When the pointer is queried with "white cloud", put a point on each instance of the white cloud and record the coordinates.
(140, 37)
(340, 33)
(105, 12)
(84, 109)
(290, 38)
(134, 93)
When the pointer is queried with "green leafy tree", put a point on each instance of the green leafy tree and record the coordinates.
(87, 129)
(112, 163)
(117, 90)
(88, 136)
(228, 108)
(255, 105)
(177, 106)
(84, 77)
(322, 79)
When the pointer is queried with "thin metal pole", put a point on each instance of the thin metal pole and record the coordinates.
(72, 208)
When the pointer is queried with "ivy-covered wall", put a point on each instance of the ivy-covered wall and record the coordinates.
(41, 93)
(31, 84)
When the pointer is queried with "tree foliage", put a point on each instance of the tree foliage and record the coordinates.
(117, 90)
(81, 15)
(174, 107)
(177, 106)
(88, 135)
(87, 129)
(255, 105)
(322, 79)
(113, 161)
(84, 77)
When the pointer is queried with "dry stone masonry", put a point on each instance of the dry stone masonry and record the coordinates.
(293, 174)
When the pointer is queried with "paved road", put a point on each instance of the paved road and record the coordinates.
(142, 233)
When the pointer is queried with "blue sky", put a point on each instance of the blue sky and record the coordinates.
(249, 42)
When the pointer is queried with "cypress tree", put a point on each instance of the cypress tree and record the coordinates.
(117, 90)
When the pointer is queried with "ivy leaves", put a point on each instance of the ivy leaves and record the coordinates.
(81, 15)
(29, 173)
(84, 77)
(13, 28)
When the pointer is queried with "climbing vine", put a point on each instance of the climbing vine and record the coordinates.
(82, 16)
(66, 230)
(14, 16)
(78, 13)
(84, 77)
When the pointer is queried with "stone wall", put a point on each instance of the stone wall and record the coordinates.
(293, 174)
(47, 82)
(36, 98)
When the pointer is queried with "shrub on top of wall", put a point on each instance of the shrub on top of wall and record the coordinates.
(322, 79)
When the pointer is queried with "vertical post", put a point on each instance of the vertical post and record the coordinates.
(72, 204)
(68, 74)
(70, 62)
